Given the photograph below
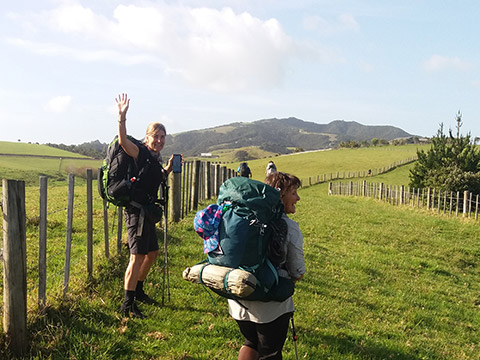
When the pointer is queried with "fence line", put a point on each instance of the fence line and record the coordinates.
(457, 203)
(342, 175)
(198, 182)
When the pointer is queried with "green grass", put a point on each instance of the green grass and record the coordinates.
(304, 165)
(312, 164)
(20, 148)
(56, 164)
(382, 282)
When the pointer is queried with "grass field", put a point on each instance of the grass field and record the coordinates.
(309, 164)
(382, 282)
(332, 161)
(56, 164)
(20, 148)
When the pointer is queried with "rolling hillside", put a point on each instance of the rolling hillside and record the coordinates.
(277, 136)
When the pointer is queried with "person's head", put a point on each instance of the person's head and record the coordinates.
(155, 136)
(271, 168)
(287, 184)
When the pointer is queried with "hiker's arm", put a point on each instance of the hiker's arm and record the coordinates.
(295, 257)
(123, 102)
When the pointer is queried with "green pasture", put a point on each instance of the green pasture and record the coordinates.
(382, 282)
(317, 163)
(304, 165)
(20, 148)
(30, 169)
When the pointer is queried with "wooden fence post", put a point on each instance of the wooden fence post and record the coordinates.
(42, 244)
(458, 202)
(175, 196)
(428, 198)
(89, 224)
(224, 174)
(218, 180)
(208, 180)
(15, 266)
(465, 203)
(470, 205)
(195, 184)
(68, 247)
(451, 202)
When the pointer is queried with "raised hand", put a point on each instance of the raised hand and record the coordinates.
(123, 102)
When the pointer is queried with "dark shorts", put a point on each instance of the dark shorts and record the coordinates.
(145, 243)
(267, 339)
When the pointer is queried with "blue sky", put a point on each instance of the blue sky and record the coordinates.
(198, 64)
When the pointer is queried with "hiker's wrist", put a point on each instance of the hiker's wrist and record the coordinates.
(121, 119)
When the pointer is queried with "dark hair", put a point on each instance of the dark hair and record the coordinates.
(282, 181)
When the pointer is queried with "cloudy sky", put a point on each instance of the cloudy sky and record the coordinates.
(195, 64)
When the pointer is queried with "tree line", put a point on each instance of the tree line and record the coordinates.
(94, 149)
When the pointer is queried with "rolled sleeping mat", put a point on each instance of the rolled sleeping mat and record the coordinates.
(230, 281)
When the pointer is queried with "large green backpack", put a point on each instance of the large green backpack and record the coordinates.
(246, 229)
(119, 174)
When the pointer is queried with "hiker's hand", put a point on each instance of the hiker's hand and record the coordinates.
(123, 102)
(169, 165)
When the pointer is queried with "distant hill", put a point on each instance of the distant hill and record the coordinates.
(271, 135)
(278, 136)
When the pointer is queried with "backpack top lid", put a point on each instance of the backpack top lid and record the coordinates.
(247, 195)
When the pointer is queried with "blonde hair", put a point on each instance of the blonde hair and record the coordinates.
(154, 127)
(282, 181)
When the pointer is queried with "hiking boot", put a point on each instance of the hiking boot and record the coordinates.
(131, 309)
(144, 298)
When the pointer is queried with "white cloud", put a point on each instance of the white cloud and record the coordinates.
(439, 63)
(58, 104)
(217, 49)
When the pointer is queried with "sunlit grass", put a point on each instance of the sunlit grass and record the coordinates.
(382, 282)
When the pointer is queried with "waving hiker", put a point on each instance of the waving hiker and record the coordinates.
(139, 219)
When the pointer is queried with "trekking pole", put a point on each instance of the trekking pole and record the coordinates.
(165, 246)
(294, 336)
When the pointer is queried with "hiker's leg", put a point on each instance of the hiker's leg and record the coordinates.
(147, 264)
(248, 350)
(247, 353)
(272, 336)
(133, 271)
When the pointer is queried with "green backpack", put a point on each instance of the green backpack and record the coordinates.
(119, 174)
(250, 224)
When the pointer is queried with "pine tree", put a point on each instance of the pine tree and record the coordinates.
(451, 164)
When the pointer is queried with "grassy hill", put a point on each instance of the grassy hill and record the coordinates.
(19, 148)
(277, 136)
(22, 161)
(382, 282)
(306, 164)
(316, 163)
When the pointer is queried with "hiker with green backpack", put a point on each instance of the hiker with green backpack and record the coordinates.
(140, 224)
(264, 324)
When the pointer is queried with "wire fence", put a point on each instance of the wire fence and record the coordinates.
(458, 203)
(343, 175)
